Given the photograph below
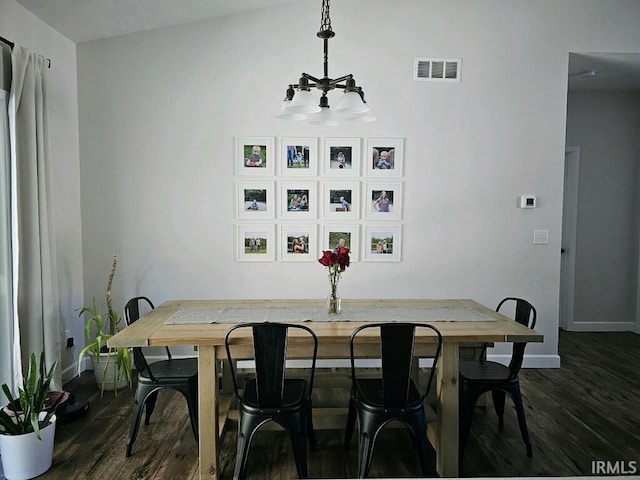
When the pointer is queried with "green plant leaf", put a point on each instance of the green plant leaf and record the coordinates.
(30, 401)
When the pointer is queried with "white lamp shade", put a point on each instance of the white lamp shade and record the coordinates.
(351, 104)
(303, 103)
(323, 117)
(285, 114)
(361, 117)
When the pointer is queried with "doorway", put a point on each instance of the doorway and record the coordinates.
(568, 245)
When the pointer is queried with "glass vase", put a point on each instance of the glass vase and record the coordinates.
(334, 303)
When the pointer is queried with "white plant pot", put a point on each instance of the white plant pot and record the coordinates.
(24, 456)
(110, 374)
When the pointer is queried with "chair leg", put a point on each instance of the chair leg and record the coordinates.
(426, 453)
(498, 405)
(467, 403)
(351, 423)
(368, 427)
(151, 405)
(136, 416)
(247, 426)
(299, 445)
(522, 422)
(296, 427)
(310, 432)
(191, 396)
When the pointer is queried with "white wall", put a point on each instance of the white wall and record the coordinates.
(606, 126)
(159, 111)
(23, 28)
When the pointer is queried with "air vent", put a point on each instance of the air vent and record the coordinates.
(437, 69)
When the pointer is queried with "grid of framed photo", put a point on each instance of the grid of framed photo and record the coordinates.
(328, 192)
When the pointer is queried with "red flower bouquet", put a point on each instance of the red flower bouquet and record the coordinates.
(336, 262)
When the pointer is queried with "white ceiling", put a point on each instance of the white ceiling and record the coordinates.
(604, 71)
(85, 20)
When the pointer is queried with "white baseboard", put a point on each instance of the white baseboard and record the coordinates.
(604, 327)
(68, 373)
(530, 361)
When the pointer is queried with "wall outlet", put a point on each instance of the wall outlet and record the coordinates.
(541, 237)
(68, 338)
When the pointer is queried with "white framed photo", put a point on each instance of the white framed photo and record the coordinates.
(341, 157)
(298, 156)
(382, 243)
(255, 200)
(383, 201)
(254, 156)
(255, 243)
(340, 200)
(298, 200)
(336, 235)
(384, 157)
(298, 243)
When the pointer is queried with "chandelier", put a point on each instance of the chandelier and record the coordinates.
(300, 104)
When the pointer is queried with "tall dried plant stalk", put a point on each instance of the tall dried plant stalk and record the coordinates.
(110, 310)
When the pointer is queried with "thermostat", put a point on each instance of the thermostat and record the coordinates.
(528, 201)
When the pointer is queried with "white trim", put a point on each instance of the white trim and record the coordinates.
(69, 372)
(530, 361)
(604, 327)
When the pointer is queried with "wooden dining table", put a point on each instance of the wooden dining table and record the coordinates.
(204, 323)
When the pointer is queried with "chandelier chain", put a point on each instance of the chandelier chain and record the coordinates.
(325, 24)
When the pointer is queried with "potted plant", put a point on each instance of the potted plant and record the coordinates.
(27, 424)
(111, 366)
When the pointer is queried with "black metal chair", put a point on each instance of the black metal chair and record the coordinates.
(480, 376)
(270, 395)
(180, 374)
(394, 396)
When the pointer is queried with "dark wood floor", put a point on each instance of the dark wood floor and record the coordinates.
(583, 412)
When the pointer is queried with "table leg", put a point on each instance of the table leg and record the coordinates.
(447, 422)
(208, 413)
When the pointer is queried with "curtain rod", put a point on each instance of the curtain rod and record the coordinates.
(8, 42)
(11, 45)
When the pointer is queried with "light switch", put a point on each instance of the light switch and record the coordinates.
(541, 237)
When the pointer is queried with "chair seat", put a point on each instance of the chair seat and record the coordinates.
(477, 370)
(166, 371)
(295, 393)
(369, 392)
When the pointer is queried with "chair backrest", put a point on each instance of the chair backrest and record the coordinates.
(132, 311)
(270, 355)
(396, 354)
(525, 314)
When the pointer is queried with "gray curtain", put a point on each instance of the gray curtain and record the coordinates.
(35, 280)
(8, 362)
